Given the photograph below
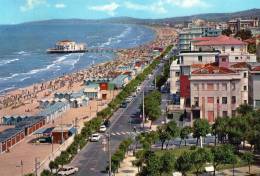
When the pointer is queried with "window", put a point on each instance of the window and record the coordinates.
(203, 86)
(217, 100)
(224, 100)
(211, 116)
(233, 99)
(257, 103)
(195, 87)
(200, 58)
(224, 114)
(236, 58)
(196, 101)
(245, 101)
(224, 59)
(177, 74)
(245, 88)
(223, 48)
(233, 86)
(181, 59)
(210, 86)
(210, 99)
(232, 48)
(224, 86)
(217, 86)
(245, 75)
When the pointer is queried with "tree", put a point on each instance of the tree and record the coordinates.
(244, 109)
(201, 128)
(153, 165)
(46, 173)
(163, 135)
(184, 134)
(172, 129)
(53, 165)
(220, 128)
(244, 34)
(222, 154)
(183, 164)
(199, 157)
(237, 131)
(154, 113)
(227, 32)
(248, 157)
(168, 161)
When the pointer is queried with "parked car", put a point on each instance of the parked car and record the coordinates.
(102, 128)
(107, 123)
(67, 170)
(95, 137)
(123, 105)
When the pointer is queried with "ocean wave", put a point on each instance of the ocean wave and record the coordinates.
(22, 79)
(23, 53)
(4, 62)
(117, 39)
(6, 89)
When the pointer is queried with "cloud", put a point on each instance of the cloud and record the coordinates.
(108, 8)
(187, 3)
(157, 7)
(60, 6)
(31, 4)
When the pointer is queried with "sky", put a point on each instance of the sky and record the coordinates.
(19, 11)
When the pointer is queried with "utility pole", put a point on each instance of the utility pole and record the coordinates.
(36, 165)
(143, 109)
(109, 153)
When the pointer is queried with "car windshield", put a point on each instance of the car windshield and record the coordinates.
(94, 135)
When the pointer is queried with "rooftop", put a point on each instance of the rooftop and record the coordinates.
(212, 69)
(241, 65)
(220, 40)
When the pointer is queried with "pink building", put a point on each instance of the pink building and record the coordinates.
(218, 91)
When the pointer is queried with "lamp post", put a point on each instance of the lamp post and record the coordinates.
(21, 166)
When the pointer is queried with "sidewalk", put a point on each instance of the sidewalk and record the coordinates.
(126, 167)
(241, 171)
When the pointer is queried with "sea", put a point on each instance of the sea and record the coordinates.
(23, 57)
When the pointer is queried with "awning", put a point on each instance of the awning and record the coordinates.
(72, 130)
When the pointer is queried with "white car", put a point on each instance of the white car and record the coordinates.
(95, 137)
(67, 170)
(102, 128)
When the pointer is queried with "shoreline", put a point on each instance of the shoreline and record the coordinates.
(14, 99)
(9, 90)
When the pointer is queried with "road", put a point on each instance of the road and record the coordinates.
(93, 158)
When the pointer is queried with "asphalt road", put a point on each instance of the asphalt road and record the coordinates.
(93, 158)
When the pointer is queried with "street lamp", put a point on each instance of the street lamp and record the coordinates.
(21, 166)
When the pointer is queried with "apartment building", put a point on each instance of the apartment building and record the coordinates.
(193, 31)
(217, 92)
(239, 24)
(231, 49)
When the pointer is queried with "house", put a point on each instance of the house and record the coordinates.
(238, 24)
(217, 92)
(232, 49)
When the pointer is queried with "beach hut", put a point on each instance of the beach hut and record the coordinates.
(92, 91)
(120, 81)
(62, 131)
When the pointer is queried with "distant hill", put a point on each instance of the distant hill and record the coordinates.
(252, 13)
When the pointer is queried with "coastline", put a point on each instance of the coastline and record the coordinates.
(17, 98)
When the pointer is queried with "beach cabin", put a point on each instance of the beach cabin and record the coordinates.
(25, 127)
(92, 91)
(62, 131)
(120, 81)
(54, 110)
